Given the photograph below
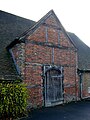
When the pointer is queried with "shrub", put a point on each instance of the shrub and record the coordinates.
(13, 100)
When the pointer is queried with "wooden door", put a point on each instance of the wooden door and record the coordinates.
(53, 91)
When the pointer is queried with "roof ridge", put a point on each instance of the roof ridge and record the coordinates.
(37, 24)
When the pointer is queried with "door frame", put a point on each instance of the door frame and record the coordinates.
(47, 68)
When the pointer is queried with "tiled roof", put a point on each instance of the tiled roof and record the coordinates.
(12, 26)
(83, 52)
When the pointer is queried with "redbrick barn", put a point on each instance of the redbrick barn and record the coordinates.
(48, 60)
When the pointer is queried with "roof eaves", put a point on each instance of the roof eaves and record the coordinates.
(16, 41)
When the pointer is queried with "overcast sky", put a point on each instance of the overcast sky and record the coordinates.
(73, 14)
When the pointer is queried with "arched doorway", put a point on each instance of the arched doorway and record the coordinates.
(53, 86)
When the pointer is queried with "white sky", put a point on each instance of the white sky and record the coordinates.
(73, 14)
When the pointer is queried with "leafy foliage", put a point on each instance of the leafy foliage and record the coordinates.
(13, 99)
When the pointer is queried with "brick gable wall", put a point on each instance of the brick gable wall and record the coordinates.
(47, 45)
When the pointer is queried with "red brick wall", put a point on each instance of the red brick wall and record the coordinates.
(38, 35)
(38, 54)
(34, 82)
(85, 85)
(48, 44)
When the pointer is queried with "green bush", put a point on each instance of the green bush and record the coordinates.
(13, 100)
